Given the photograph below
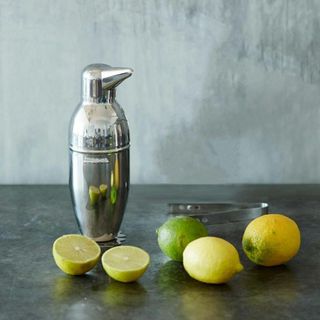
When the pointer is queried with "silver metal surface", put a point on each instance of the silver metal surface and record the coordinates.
(99, 124)
(99, 80)
(99, 154)
(218, 213)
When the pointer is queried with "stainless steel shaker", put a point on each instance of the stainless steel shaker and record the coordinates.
(99, 154)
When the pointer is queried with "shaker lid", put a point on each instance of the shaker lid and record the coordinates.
(99, 124)
(98, 79)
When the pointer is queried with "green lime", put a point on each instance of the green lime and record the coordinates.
(175, 234)
(125, 263)
(75, 254)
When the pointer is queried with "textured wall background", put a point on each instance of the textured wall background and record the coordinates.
(223, 91)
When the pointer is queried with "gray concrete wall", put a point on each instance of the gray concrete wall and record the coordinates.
(223, 91)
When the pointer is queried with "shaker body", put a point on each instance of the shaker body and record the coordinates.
(99, 186)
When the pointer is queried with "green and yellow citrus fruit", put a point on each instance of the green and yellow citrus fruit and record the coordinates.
(211, 260)
(176, 233)
(75, 254)
(271, 240)
(125, 263)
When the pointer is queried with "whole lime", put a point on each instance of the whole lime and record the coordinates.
(176, 233)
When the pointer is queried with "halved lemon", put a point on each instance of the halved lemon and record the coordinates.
(125, 263)
(75, 254)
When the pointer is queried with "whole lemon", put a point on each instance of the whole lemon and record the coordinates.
(271, 240)
(211, 260)
(176, 233)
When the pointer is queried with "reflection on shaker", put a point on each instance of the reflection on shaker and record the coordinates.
(103, 190)
(102, 211)
(94, 194)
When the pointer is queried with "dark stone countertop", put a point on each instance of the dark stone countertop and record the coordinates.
(32, 287)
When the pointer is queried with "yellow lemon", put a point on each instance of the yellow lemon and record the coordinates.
(75, 254)
(211, 260)
(125, 263)
(271, 240)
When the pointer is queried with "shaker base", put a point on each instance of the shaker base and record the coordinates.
(119, 240)
(106, 238)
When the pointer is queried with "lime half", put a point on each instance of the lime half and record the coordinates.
(125, 263)
(75, 254)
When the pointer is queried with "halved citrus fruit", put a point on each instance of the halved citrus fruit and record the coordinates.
(125, 263)
(75, 254)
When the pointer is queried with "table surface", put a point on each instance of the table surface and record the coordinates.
(32, 287)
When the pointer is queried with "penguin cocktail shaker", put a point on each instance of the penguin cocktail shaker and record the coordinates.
(99, 154)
